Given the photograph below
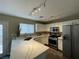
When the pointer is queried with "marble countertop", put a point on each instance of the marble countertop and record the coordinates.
(21, 49)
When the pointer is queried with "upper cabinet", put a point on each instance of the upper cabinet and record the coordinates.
(67, 22)
(72, 22)
(46, 27)
(42, 27)
(61, 24)
(76, 21)
(57, 25)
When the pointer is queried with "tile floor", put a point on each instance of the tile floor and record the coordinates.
(54, 54)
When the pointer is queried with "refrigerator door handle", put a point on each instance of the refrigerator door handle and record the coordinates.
(65, 37)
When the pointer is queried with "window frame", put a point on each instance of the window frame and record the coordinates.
(28, 24)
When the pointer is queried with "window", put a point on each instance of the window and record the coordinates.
(1, 39)
(26, 28)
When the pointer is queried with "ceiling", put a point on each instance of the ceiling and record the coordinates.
(54, 9)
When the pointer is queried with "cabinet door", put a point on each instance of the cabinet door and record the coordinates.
(75, 42)
(67, 40)
(76, 21)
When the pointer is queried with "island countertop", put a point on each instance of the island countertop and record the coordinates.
(21, 49)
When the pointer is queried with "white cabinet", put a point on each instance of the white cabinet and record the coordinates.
(72, 22)
(67, 22)
(60, 44)
(76, 21)
(42, 27)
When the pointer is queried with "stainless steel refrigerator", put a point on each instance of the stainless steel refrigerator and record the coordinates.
(71, 41)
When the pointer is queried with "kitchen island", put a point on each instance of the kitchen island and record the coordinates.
(29, 49)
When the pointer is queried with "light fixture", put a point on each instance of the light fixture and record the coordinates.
(38, 8)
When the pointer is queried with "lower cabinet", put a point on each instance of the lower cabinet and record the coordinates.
(42, 56)
(43, 39)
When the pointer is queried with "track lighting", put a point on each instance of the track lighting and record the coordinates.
(38, 8)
